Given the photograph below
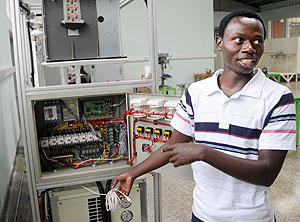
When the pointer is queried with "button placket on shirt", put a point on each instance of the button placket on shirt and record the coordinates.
(225, 115)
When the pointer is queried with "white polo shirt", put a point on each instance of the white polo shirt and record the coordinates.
(260, 116)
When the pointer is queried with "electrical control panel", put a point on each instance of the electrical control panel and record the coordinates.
(79, 134)
(150, 126)
(81, 29)
(104, 134)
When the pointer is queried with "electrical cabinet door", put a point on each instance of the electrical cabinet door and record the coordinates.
(149, 126)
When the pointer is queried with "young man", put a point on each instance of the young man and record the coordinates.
(241, 124)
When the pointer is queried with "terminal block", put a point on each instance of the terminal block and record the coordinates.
(72, 17)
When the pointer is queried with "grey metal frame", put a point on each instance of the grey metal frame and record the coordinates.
(20, 53)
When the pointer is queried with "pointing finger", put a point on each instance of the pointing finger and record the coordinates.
(167, 148)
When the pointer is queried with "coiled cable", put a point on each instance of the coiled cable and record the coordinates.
(112, 199)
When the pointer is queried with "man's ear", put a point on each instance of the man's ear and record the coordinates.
(219, 43)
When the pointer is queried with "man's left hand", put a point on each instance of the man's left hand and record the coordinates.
(183, 153)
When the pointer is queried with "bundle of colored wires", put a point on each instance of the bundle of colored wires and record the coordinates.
(112, 199)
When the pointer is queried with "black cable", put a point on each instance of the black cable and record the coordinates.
(24, 7)
(108, 186)
(107, 189)
(102, 201)
(31, 54)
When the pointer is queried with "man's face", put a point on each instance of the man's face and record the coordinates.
(242, 44)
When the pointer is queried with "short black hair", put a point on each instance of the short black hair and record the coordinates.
(242, 13)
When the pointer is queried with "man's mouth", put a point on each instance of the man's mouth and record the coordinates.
(247, 62)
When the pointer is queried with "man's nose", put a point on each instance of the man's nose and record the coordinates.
(248, 47)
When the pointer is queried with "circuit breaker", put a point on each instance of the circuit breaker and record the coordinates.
(81, 29)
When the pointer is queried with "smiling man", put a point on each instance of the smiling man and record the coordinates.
(234, 128)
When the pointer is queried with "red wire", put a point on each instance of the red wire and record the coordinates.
(151, 121)
(134, 152)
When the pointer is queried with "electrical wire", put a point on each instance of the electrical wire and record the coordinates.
(119, 104)
(112, 199)
(94, 161)
(69, 109)
(130, 161)
(55, 161)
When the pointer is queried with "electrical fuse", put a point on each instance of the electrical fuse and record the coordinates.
(95, 138)
(44, 142)
(60, 140)
(140, 130)
(89, 137)
(52, 141)
(158, 131)
(167, 134)
(75, 138)
(149, 131)
(82, 138)
(68, 139)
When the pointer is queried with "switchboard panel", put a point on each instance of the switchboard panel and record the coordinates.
(75, 135)
(99, 134)
(150, 126)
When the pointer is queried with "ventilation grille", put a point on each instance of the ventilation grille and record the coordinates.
(279, 5)
(95, 210)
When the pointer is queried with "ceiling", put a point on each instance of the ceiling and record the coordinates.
(228, 5)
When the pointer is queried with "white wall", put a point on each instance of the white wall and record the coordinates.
(218, 16)
(5, 57)
(9, 122)
(134, 38)
(184, 30)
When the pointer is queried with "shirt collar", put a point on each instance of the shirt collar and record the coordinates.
(252, 89)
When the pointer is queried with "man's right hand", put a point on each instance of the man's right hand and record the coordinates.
(125, 182)
(156, 160)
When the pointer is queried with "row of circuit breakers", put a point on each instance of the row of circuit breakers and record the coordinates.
(80, 132)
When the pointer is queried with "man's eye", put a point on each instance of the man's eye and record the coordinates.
(257, 41)
(238, 40)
